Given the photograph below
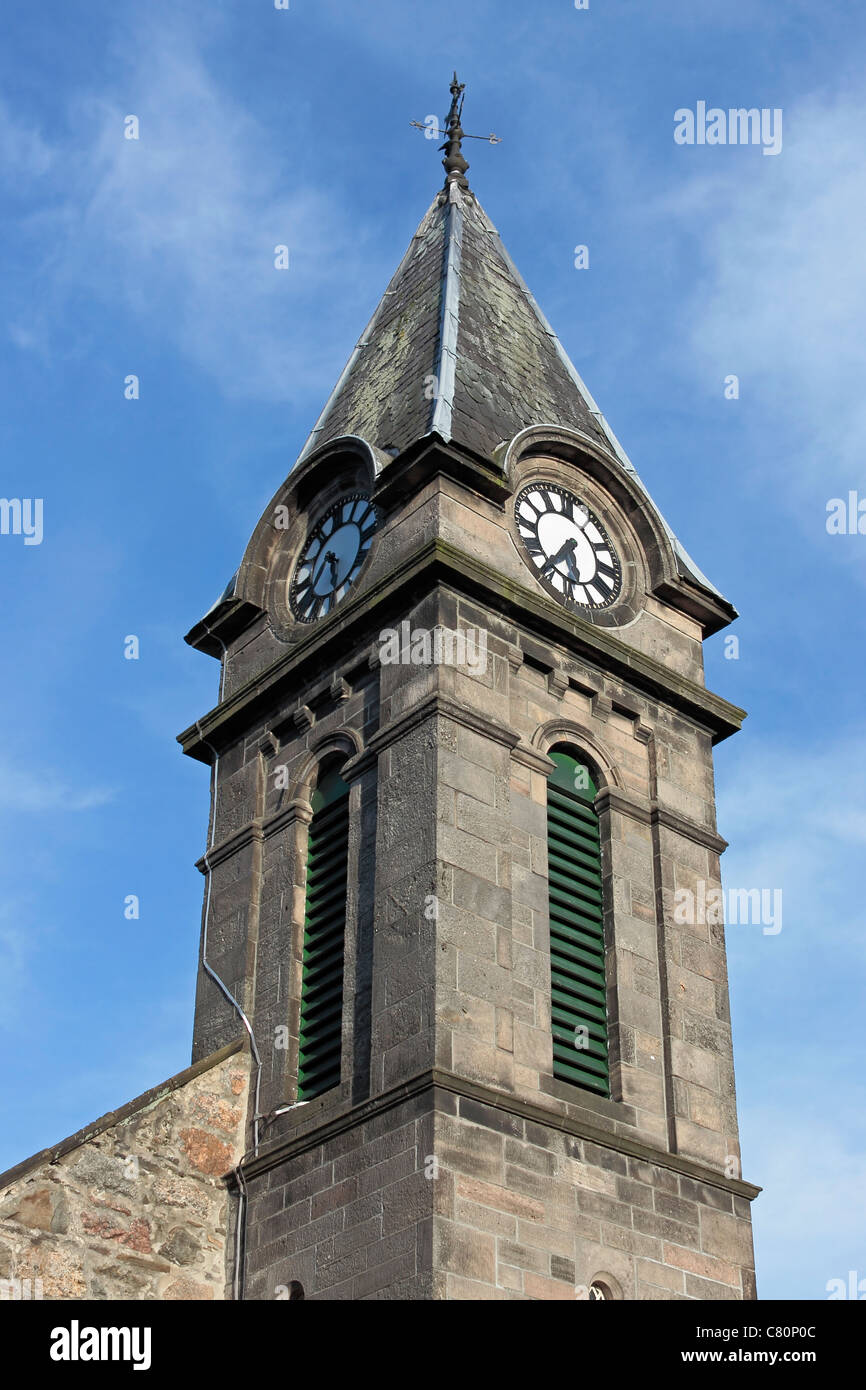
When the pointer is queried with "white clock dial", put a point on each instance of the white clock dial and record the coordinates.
(332, 557)
(570, 549)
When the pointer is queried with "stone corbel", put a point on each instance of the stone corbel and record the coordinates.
(557, 683)
(514, 657)
(303, 718)
(602, 706)
(295, 812)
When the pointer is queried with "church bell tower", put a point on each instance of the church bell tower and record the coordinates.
(462, 783)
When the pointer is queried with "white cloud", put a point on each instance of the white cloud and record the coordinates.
(180, 226)
(789, 780)
(795, 815)
(783, 299)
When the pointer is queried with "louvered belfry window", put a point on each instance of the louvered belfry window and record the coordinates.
(577, 973)
(321, 1029)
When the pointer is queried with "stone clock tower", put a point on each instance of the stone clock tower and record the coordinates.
(461, 764)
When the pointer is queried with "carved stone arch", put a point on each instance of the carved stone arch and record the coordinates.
(346, 741)
(556, 731)
(623, 485)
(605, 1287)
(671, 575)
(342, 464)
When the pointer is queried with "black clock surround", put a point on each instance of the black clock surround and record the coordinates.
(332, 557)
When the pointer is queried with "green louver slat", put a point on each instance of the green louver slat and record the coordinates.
(584, 865)
(572, 805)
(578, 824)
(576, 929)
(321, 1028)
(588, 861)
(578, 937)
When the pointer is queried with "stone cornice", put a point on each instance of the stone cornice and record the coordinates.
(439, 561)
(247, 835)
(671, 820)
(627, 803)
(530, 757)
(650, 813)
(310, 1132)
(288, 815)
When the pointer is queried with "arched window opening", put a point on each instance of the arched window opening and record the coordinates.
(599, 1292)
(577, 956)
(321, 1027)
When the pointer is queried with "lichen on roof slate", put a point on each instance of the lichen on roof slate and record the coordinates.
(383, 399)
(508, 372)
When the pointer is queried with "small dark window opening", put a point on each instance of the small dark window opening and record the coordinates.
(599, 1293)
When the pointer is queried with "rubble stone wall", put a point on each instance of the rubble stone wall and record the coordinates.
(134, 1206)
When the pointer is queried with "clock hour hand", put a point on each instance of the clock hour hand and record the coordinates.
(565, 555)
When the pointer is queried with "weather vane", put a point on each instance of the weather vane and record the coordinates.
(454, 164)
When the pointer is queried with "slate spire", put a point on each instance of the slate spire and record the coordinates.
(458, 347)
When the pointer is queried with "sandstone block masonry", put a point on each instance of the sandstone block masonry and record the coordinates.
(135, 1206)
(440, 1191)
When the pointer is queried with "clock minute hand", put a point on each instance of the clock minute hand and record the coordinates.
(330, 559)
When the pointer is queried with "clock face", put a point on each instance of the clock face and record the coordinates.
(331, 560)
(570, 549)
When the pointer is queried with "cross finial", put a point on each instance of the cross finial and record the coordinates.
(454, 164)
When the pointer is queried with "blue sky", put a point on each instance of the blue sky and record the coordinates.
(155, 257)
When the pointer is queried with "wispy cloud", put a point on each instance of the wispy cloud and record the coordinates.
(17, 948)
(25, 155)
(179, 227)
(39, 789)
(813, 1176)
(782, 299)
(795, 815)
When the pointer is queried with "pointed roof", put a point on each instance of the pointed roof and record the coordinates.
(459, 348)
